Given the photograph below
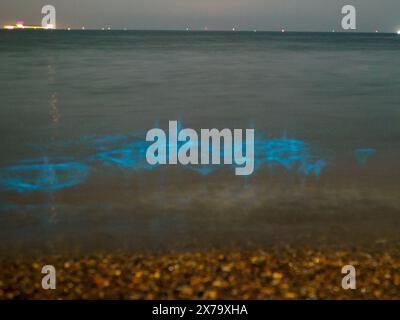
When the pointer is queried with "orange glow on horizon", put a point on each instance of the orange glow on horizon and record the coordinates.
(20, 25)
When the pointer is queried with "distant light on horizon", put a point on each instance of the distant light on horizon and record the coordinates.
(398, 32)
(20, 25)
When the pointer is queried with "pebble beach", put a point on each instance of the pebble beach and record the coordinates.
(270, 273)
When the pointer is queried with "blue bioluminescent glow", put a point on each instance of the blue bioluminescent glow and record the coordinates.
(128, 152)
(314, 168)
(363, 154)
(292, 155)
(288, 154)
(43, 177)
(131, 156)
(124, 158)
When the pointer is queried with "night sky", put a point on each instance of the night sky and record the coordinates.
(295, 15)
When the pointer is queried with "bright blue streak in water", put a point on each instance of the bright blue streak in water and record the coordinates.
(292, 155)
(124, 158)
(129, 156)
(44, 177)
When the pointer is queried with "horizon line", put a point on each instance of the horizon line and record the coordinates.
(283, 30)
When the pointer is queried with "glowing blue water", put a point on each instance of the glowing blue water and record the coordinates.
(49, 175)
(44, 177)
(77, 96)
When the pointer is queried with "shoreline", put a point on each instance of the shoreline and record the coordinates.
(266, 273)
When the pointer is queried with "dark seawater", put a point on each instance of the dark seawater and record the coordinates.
(75, 107)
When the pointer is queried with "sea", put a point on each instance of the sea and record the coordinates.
(75, 107)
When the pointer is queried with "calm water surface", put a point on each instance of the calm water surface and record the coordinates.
(75, 106)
